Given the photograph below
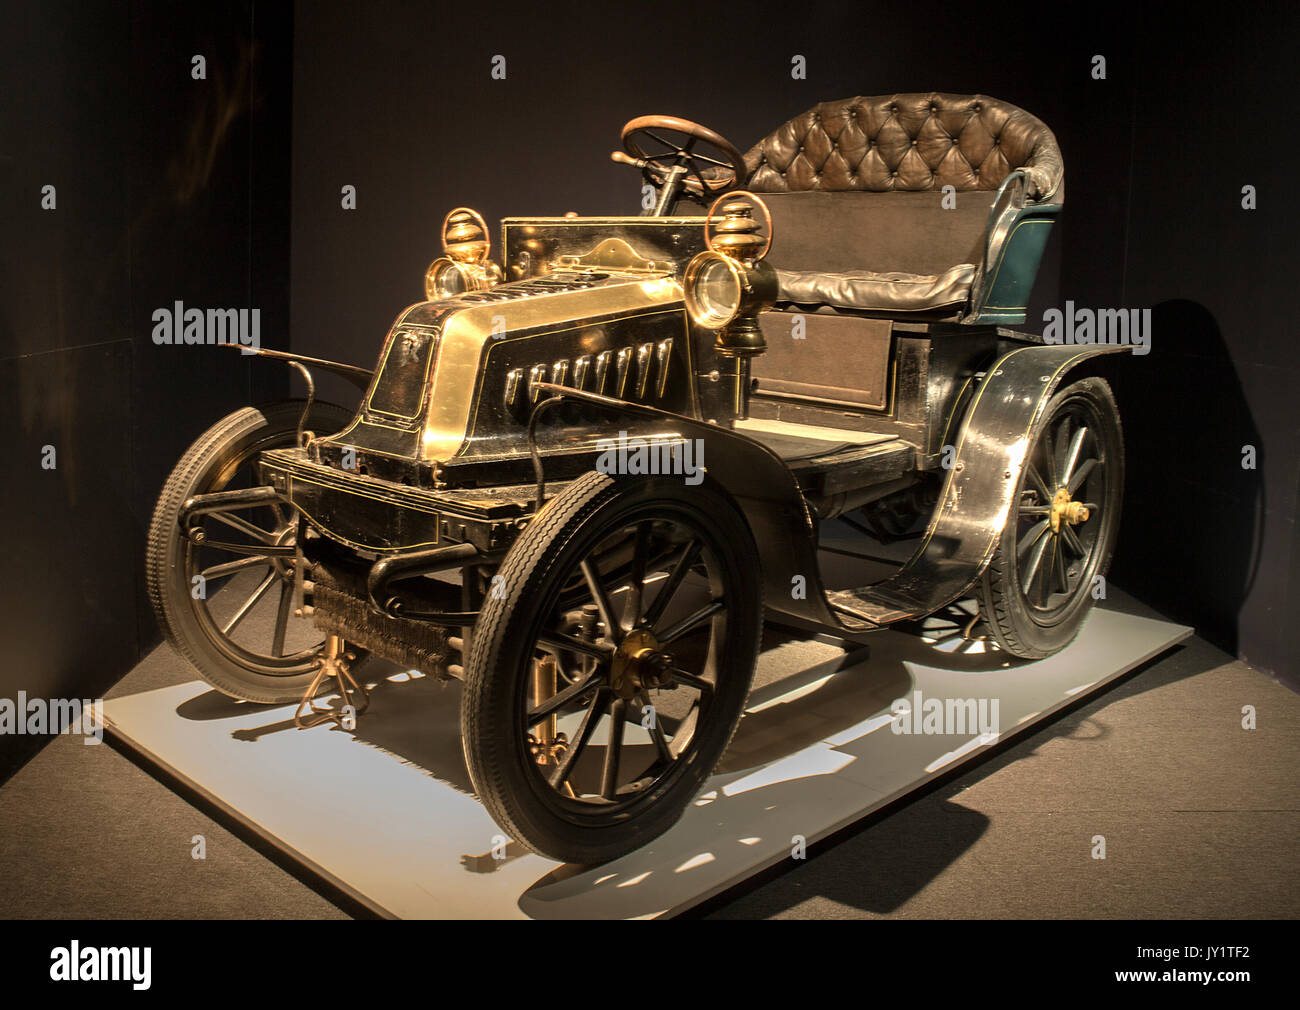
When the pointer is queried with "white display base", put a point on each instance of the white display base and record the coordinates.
(386, 813)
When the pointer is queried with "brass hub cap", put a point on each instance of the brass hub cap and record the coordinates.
(1065, 511)
(638, 664)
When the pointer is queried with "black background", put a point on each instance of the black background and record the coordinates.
(226, 193)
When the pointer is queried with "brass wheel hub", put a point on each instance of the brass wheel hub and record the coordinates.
(639, 664)
(1066, 511)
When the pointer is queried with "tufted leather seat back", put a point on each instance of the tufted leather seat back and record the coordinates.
(910, 142)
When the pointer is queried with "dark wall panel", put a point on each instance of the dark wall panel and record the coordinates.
(1205, 539)
(168, 188)
(69, 605)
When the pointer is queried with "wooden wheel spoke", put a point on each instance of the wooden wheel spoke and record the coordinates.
(632, 606)
(230, 567)
(1047, 449)
(1079, 476)
(681, 568)
(691, 680)
(601, 597)
(244, 526)
(1058, 565)
(661, 743)
(554, 641)
(580, 740)
(1035, 563)
(250, 603)
(282, 619)
(685, 730)
(1072, 454)
(1056, 444)
(1072, 541)
(1031, 537)
(1036, 479)
(691, 622)
(557, 701)
(613, 749)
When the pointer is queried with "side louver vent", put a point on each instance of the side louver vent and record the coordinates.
(630, 373)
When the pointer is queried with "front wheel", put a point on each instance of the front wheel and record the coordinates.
(599, 694)
(1061, 529)
(228, 610)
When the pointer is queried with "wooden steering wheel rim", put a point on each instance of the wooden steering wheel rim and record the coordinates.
(691, 129)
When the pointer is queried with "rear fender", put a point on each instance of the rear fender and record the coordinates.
(979, 487)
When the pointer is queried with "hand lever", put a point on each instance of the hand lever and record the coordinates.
(627, 159)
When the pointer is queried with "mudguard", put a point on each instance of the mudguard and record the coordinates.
(977, 492)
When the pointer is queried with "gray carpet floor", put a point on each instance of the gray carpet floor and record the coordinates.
(1200, 817)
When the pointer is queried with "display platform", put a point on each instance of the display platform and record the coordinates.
(387, 815)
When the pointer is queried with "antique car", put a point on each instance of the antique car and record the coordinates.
(584, 473)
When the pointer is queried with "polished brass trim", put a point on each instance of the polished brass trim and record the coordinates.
(466, 239)
(536, 374)
(643, 369)
(474, 277)
(580, 369)
(602, 368)
(513, 379)
(693, 269)
(621, 363)
(663, 357)
(738, 249)
(468, 331)
(612, 254)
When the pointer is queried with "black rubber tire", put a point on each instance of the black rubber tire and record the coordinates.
(241, 434)
(1016, 628)
(502, 647)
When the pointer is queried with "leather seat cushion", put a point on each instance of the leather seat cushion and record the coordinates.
(865, 291)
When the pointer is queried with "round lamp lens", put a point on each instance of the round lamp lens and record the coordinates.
(717, 292)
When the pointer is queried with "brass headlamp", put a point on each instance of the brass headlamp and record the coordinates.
(730, 283)
(466, 266)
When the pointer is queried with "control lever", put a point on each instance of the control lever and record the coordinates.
(627, 159)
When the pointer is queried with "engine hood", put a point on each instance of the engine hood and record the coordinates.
(422, 402)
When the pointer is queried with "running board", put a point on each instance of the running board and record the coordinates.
(977, 493)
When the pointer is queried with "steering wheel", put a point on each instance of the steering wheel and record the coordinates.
(673, 163)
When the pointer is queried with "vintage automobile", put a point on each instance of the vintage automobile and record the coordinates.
(582, 476)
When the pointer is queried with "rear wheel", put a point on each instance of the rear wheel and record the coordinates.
(1061, 529)
(591, 716)
(228, 610)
